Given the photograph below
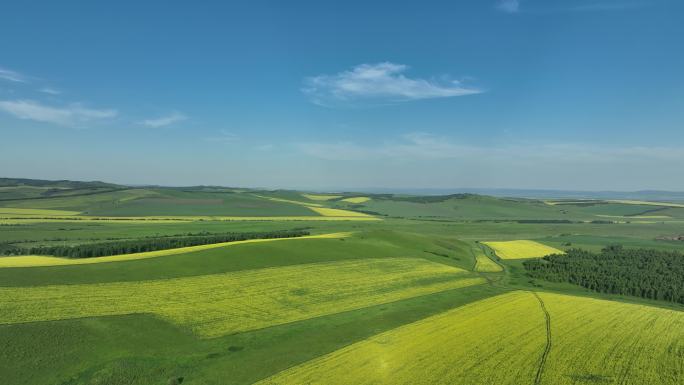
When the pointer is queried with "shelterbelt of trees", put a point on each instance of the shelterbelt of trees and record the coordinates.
(652, 274)
(89, 250)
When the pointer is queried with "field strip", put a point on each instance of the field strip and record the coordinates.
(39, 260)
(572, 202)
(483, 263)
(176, 219)
(321, 197)
(647, 203)
(328, 212)
(615, 201)
(220, 304)
(635, 216)
(274, 199)
(499, 341)
(356, 200)
(521, 249)
(35, 212)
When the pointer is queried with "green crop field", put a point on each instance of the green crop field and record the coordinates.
(382, 289)
(240, 301)
(515, 338)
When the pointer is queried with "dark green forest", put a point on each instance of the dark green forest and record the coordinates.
(102, 249)
(645, 273)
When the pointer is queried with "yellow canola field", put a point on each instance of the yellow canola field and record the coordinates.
(318, 197)
(40, 260)
(356, 200)
(288, 201)
(484, 264)
(220, 304)
(34, 212)
(521, 249)
(501, 340)
(327, 212)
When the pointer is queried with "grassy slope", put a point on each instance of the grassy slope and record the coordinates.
(221, 304)
(82, 203)
(114, 350)
(141, 350)
(84, 232)
(470, 207)
(108, 348)
(43, 260)
(167, 202)
(177, 202)
(488, 208)
(382, 244)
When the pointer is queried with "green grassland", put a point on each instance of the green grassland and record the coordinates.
(166, 202)
(413, 298)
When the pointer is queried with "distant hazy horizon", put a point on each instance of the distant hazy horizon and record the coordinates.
(656, 195)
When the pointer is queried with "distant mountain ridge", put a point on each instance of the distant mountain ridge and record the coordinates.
(653, 195)
(9, 182)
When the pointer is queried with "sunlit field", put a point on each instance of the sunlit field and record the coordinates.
(342, 193)
(216, 305)
(383, 290)
(514, 338)
(521, 249)
(41, 260)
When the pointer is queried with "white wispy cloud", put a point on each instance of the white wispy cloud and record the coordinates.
(424, 146)
(509, 6)
(541, 7)
(164, 120)
(224, 136)
(50, 91)
(265, 147)
(70, 115)
(615, 5)
(12, 76)
(409, 146)
(379, 83)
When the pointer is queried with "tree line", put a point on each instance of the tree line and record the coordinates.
(645, 273)
(90, 250)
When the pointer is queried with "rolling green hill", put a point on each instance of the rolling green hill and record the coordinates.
(413, 296)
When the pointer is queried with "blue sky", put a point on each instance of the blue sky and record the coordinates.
(574, 94)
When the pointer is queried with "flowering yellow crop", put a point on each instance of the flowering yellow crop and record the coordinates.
(5, 211)
(521, 249)
(356, 200)
(485, 265)
(219, 304)
(503, 340)
(274, 199)
(317, 197)
(327, 212)
(40, 260)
